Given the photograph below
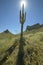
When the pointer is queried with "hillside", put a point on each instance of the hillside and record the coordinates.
(35, 26)
(6, 34)
(34, 29)
(6, 41)
(13, 51)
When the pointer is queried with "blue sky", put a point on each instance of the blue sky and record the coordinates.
(9, 14)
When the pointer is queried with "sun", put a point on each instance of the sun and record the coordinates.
(23, 2)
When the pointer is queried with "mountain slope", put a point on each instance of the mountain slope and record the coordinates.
(34, 29)
(6, 34)
(35, 26)
(26, 52)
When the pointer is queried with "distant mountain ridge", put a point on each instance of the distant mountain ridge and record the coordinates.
(28, 28)
(6, 34)
(6, 31)
(35, 26)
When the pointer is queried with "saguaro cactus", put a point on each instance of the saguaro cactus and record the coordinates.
(22, 19)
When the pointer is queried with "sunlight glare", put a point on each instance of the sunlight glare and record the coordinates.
(23, 2)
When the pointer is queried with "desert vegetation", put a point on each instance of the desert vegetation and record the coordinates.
(13, 51)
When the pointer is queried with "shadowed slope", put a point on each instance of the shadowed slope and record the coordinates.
(7, 53)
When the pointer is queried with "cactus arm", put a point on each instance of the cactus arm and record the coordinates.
(20, 15)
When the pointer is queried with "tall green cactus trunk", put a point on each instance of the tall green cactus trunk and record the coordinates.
(21, 31)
